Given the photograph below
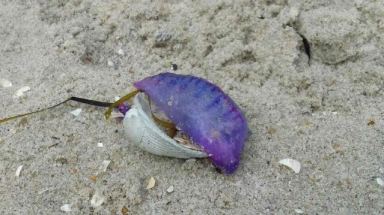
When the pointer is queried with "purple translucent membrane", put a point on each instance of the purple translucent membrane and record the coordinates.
(123, 108)
(204, 112)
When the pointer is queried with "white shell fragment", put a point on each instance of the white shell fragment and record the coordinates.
(116, 114)
(104, 165)
(299, 211)
(76, 112)
(20, 92)
(5, 83)
(121, 52)
(380, 181)
(18, 170)
(100, 145)
(111, 63)
(97, 199)
(66, 208)
(143, 132)
(151, 183)
(170, 189)
(291, 163)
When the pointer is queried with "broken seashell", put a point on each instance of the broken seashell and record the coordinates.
(20, 92)
(66, 208)
(291, 163)
(5, 83)
(76, 112)
(115, 114)
(97, 199)
(380, 182)
(104, 165)
(142, 131)
(18, 170)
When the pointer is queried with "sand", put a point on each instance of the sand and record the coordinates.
(309, 76)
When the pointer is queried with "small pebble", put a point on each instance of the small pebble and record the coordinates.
(174, 67)
(93, 178)
(151, 183)
(100, 145)
(66, 208)
(170, 189)
(124, 210)
(299, 211)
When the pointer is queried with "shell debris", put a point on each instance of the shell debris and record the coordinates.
(170, 189)
(76, 112)
(20, 92)
(380, 181)
(100, 145)
(104, 165)
(5, 83)
(66, 208)
(110, 63)
(299, 211)
(291, 163)
(97, 199)
(151, 183)
(116, 114)
(18, 170)
(121, 52)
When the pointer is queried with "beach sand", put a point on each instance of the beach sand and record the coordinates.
(309, 77)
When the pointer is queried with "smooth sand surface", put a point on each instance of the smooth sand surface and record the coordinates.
(326, 112)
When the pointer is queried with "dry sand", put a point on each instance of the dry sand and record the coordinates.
(326, 112)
